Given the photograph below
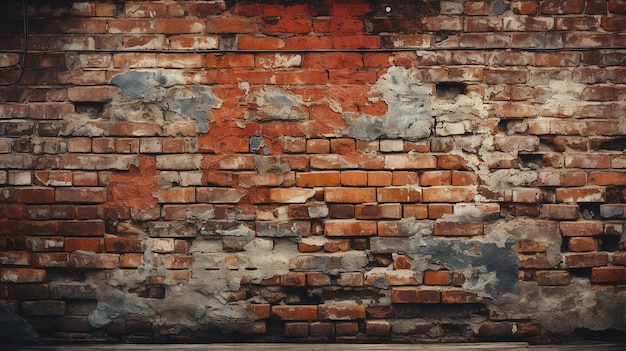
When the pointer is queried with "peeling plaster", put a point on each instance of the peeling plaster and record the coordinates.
(409, 111)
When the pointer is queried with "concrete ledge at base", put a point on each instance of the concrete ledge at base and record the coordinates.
(494, 346)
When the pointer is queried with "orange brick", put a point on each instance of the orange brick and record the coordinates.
(447, 194)
(458, 296)
(581, 228)
(438, 210)
(295, 312)
(434, 178)
(340, 312)
(437, 278)
(553, 277)
(293, 279)
(583, 260)
(415, 295)
(418, 211)
(582, 244)
(398, 194)
(354, 178)
(401, 178)
(350, 195)
(379, 178)
(458, 229)
(350, 228)
(316, 179)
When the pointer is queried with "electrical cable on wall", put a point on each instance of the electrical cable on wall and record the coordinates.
(22, 61)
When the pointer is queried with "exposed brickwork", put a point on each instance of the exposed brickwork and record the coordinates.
(314, 171)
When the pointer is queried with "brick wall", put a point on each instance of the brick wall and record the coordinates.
(313, 171)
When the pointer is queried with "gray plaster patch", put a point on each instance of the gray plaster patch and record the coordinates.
(14, 329)
(196, 102)
(409, 112)
(489, 264)
(489, 269)
(135, 84)
(274, 103)
(499, 7)
(562, 309)
(115, 304)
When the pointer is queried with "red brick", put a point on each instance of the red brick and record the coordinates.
(561, 211)
(131, 260)
(317, 279)
(553, 277)
(260, 43)
(295, 312)
(297, 329)
(50, 260)
(437, 278)
(317, 146)
(401, 178)
(84, 244)
(415, 295)
(607, 178)
(86, 194)
(28, 292)
(608, 275)
(398, 194)
(553, 7)
(43, 308)
(434, 178)
(377, 328)
(316, 179)
(350, 279)
(94, 260)
(350, 195)
(353, 178)
(581, 228)
(231, 25)
(580, 194)
(290, 195)
(337, 245)
(119, 244)
(22, 275)
(436, 211)
(582, 244)
(293, 279)
(583, 260)
(350, 228)
(92, 94)
(458, 296)
(418, 211)
(259, 310)
(82, 228)
(341, 313)
(539, 260)
(447, 194)
(458, 229)
(322, 329)
(346, 328)
(524, 7)
(394, 162)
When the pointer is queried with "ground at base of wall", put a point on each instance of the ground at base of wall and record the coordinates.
(335, 347)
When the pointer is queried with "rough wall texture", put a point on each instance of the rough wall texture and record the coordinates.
(313, 170)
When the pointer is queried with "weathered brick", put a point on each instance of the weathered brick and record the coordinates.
(608, 275)
(581, 228)
(22, 275)
(583, 260)
(316, 179)
(295, 312)
(350, 228)
(341, 312)
(553, 277)
(458, 296)
(415, 295)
